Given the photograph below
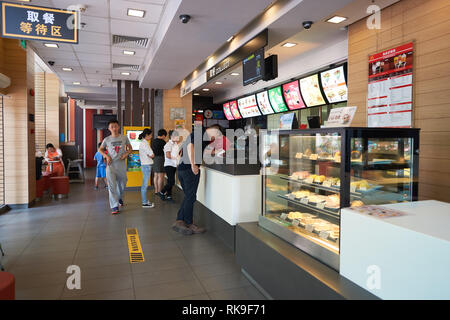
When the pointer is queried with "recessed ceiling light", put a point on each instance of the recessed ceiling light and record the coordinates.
(289, 45)
(125, 73)
(336, 19)
(100, 85)
(218, 82)
(234, 74)
(136, 13)
(205, 89)
(230, 39)
(67, 69)
(76, 83)
(51, 45)
(196, 94)
(130, 53)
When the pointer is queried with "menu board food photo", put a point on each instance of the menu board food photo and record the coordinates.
(334, 85)
(311, 91)
(292, 95)
(227, 111)
(133, 137)
(248, 107)
(234, 110)
(276, 100)
(389, 99)
(264, 103)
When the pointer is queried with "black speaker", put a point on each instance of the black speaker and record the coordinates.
(313, 122)
(271, 67)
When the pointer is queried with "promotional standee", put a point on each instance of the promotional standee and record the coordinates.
(134, 173)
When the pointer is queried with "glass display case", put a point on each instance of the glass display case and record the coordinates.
(309, 175)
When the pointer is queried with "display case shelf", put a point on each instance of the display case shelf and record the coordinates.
(312, 207)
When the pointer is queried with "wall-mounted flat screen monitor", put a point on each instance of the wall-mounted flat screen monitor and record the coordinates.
(264, 103)
(276, 100)
(234, 110)
(249, 107)
(253, 67)
(292, 95)
(227, 111)
(311, 93)
(100, 121)
(334, 85)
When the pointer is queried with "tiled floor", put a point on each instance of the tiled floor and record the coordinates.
(40, 243)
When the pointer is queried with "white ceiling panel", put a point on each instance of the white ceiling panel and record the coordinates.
(94, 38)
(66, 63)
(87, 65)
(119, 10)
(39, 45)
(98, 76)
(118, 51)
(56, 54)
(97, 8)
(92, 48)
(95, 24)
(134, 29)
(94, 57)
(160, 2)
(126, 60)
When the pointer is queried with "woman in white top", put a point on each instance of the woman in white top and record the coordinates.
(172, 155)
(146, 156)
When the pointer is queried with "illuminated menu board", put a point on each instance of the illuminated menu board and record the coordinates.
(276, 100)
(264, 103)
(311, 91)
(292, 95)
(227, 111)
(334, 85)
(234, 110)
(248, 107)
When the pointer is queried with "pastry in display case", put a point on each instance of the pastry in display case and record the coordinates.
(309, 175)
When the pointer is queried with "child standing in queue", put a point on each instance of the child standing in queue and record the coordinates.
(118, 147)
(146, 156)
(101, 169)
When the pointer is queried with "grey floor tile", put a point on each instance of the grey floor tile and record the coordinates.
(44, 258)
(162, 276)
(97, 286)
(195, 297)
(107, 260)
(151, 265)
(169, 290)
(224, 282)
(40, 293)
(245, 293)
(216, 269)
(24, 282)
(116, 295)
(117, 270)
(202, 259)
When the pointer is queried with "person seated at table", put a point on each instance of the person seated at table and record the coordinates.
(53, 157)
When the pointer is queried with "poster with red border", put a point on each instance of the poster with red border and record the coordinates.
(292, 95)
(227, 111)
(390, 90)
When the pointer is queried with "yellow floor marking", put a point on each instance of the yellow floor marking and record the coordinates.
(134, 246)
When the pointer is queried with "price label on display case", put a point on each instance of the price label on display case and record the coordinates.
(353, 189)
(314, 157)
(324, 234)
(321, 205)
(283, 216)
(304, 200)
(309, 227)
(327, 184)
(295, 223)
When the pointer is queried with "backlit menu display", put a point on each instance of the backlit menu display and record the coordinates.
(234, 110)
(248, 107)
(292, 95)
(334, 85)
(276, 100)
(311, 91)
(227, 111)
(264, 103)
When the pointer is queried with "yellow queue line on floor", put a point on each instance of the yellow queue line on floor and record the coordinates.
(134, 246)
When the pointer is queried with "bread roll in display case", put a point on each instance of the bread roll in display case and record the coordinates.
(309, 175)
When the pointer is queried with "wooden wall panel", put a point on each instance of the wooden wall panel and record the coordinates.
(172, 99)
(52, 109)
(39, 113)
(427, 23)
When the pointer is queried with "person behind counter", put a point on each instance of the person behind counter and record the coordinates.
(189, 177)
(158, 161)
(53, 157)
(171, 153)
(118, 147)
(146, 156)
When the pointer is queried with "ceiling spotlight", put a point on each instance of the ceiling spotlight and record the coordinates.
(230, 39)
(51, 45)
(289, 45)
(196, 94)
(218, 82)
(136, 13)
(234, 74)
(336, 19)
(125, 73)
(76, 83)
(100, 85)
(205, 89)
(129, 53)
(67, 69)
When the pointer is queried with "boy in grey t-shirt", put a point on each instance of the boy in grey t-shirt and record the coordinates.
(118, 147)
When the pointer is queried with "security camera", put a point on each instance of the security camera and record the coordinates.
(307, 24)
(51, 63)
(185, 18)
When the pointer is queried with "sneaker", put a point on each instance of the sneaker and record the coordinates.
(115, 210)
(120, 203)
(162, 196)
(180, 226)
(196, 229)
(169, 198)
(106, 187)
(148, 205)
(95, 188)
